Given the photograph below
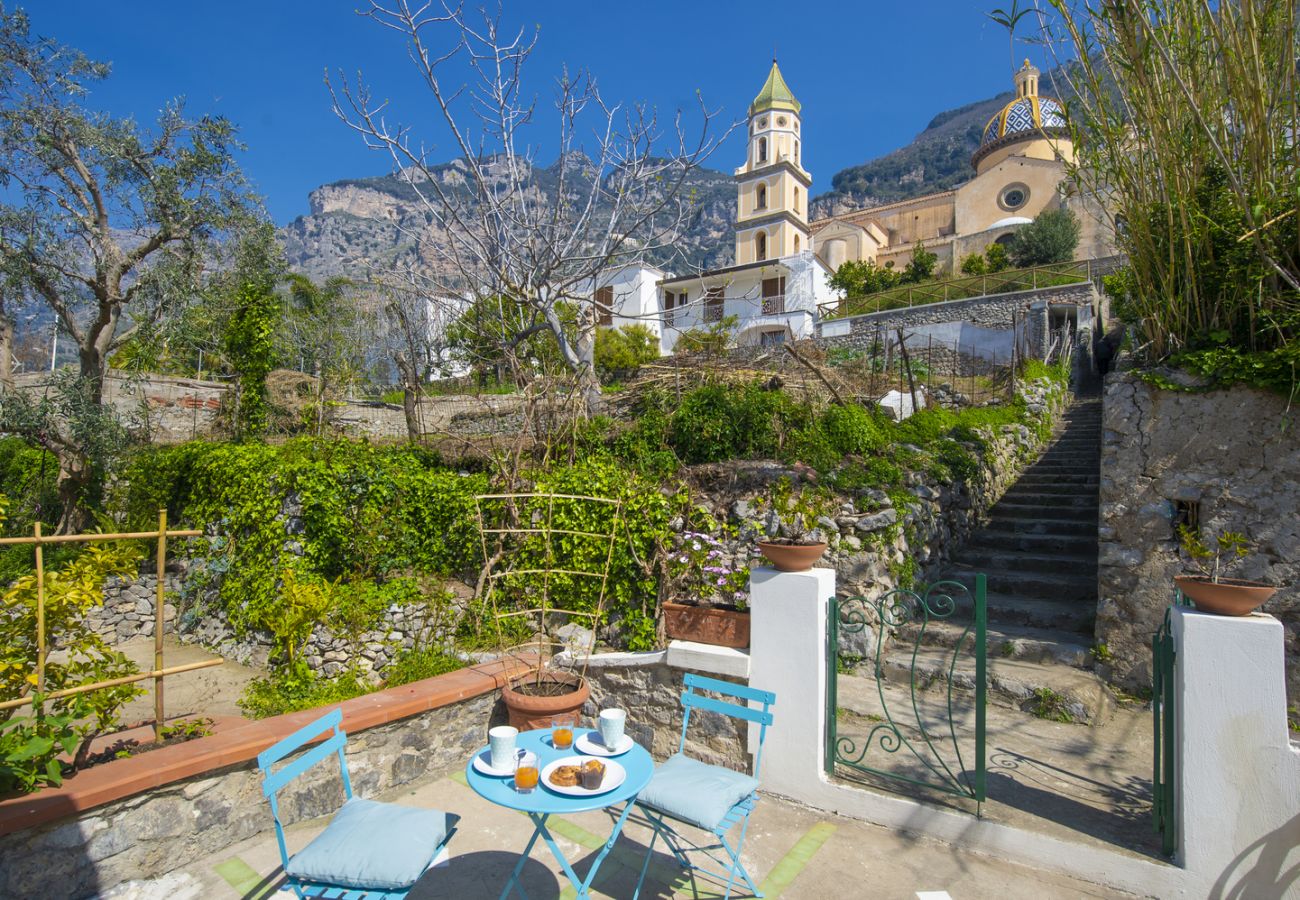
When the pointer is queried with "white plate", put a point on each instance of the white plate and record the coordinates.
(615, 775)
(483, 765)
(590, 743)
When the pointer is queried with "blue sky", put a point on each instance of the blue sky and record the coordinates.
(870, 75)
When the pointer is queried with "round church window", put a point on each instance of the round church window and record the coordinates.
(1013, 197)
(762, 123)
(781, 121)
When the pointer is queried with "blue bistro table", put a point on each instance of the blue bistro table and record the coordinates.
(543, 803)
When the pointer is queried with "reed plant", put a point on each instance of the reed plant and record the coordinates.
(1184, 115)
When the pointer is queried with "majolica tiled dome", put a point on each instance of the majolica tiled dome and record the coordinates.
(1024, 115)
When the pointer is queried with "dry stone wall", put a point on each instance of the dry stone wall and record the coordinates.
(1231, 458)
(150, 834)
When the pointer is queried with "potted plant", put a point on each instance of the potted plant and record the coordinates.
(540, 544)
(796, 546)
(713, 594)
(1208, 589)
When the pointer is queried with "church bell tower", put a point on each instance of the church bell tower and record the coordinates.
(772, 186)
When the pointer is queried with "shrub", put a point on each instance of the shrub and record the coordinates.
(997, 258)
(853, 429)
(621, 351)
(921, 266)
(974, 264)
(1050, 238)
(416, 665)
(718, 422)
(857, 278)
(281, 693)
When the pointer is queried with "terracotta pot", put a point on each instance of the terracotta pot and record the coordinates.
(705, 625)
(1230, 597)
(792, 557)
(529, 711)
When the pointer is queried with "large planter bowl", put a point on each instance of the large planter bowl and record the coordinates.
(565, 693)
(792, 557)
(706, 625)
(1229, 597)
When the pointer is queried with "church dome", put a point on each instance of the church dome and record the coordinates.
(1024, 117)
(1027, 117)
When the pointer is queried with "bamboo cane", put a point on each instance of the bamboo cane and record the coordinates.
(158, 717)
(115, 682)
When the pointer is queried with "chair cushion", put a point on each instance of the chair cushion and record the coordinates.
(696, 792)
(372, 845)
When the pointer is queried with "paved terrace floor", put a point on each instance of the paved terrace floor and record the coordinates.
(791, 851)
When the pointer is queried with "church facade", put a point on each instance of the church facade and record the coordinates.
(783, 261)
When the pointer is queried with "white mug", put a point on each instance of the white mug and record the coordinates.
(501, 740)
(611, 727)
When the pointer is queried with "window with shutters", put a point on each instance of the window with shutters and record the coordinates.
(669, 298)
(605, 306)
(773, 296)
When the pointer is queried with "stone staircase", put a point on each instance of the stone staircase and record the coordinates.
(1038, 550)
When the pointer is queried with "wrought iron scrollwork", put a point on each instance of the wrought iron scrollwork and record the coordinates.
(893, 611)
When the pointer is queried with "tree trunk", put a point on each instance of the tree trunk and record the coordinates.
(410, 396)
(588, 382)
(74, 479)
(6, 352)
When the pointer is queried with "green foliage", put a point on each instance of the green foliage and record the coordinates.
(921, 266)
(854, 429)
(996, 258)
(84, 657)
(974, 264)
(718, 422)
(701, 572)
(30, 747)
(858, 278)
(186, 729)
(367, 514)
(1050, 705)
(1274, 370)
(1210, 561)
(282, 693)
(418, 664)
(1050, 238)
(621, 351)
(714, 340)
(250, 345)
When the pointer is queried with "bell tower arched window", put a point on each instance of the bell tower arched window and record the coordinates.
(761, 197)
(796, 243)
(796, 199)
(760, 246)
(762, 149)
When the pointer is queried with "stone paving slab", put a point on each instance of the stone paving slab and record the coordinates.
(792, 851)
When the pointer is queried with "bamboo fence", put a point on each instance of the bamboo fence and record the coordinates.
(160, 671)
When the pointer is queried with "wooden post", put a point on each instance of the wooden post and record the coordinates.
(907, 366)
(158, 626)
(1013, 355)
(40, 611)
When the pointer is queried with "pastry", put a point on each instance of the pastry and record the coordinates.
(592, 774)
(564, 776)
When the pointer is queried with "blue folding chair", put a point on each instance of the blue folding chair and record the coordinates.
(709, 797)
(369, 850)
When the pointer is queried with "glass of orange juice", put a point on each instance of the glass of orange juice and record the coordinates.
(526, 774)
(562, 736)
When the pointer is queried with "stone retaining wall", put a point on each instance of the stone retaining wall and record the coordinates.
(161, 829)
(650, 690)
(1232, 457)
(128, 609)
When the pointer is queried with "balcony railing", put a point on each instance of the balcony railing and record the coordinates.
(774, 306)
(713, 311)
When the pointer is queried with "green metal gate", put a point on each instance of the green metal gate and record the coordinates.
(911, 735)
(1163, 659)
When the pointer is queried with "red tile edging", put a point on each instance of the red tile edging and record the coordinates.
(123, 778)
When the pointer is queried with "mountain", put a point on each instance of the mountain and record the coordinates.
(362, 223)
(937, 159)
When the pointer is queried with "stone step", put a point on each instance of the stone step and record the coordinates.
(1052, 487)
(1065, 544)
(1068, 585)
(1004, 560)
(1014, 509)
(1037, 525)
(1044, 646)
(1089, 479)
(1048, 500)
(1007, 609)
(1048, 691)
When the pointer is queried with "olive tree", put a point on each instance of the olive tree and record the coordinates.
(105, 222)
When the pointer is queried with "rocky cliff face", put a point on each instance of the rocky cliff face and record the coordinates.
(358, 225)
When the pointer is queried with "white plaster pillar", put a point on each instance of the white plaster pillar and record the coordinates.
(1238, 774)
(787, 649)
